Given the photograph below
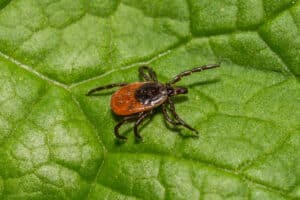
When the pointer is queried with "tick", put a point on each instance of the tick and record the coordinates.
(136, 101)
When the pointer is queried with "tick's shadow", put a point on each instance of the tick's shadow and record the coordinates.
(101, 94)
(180, 99)
(201, 83)
(178, 129)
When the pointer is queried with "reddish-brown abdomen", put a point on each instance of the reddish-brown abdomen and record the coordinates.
(123, 101)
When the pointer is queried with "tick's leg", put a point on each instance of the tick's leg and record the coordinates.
(143, 116)
(150, 76)
(189, 72)
(180, 121)
(120, 123)
(105, 87)
(167, 117)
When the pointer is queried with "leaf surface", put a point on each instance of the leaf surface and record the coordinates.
(56, 143)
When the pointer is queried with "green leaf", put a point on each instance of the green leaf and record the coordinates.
(57, 143)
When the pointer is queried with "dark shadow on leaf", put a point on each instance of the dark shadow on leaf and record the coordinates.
(180, 99)
(179, 130)
(199, 84)
(186, 136)
(101, 94)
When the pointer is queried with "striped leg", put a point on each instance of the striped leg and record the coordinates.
(105, 87)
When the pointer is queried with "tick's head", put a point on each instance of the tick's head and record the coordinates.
(176, 90)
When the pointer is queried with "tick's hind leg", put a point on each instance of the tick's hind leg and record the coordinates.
(150, 76)
(140, 119)
(105, 87)
(120, 123)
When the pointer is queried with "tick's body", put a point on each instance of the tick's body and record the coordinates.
(138, 97)
(136, 101)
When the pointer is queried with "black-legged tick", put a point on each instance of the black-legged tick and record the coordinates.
(136, 101)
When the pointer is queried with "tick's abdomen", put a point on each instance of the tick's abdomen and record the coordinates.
(138, 97)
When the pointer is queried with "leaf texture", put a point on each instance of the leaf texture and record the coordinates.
(56, 143)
